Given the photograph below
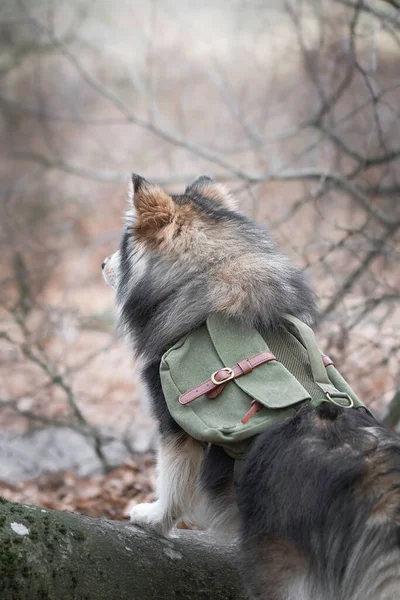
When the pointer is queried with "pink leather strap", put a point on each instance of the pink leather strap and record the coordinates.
(222, 376)
(255, 407)
(327, 361)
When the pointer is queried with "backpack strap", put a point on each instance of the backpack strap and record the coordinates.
(213, 386)
(306, 336)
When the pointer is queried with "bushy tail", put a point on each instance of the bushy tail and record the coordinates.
(319, 498)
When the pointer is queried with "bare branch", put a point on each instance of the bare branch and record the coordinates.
(364, 6)
(104, 175)
(354, 277)
(365, 162)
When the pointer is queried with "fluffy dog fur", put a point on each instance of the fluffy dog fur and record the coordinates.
(318, 501)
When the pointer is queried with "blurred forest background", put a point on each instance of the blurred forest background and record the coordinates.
(294, 104)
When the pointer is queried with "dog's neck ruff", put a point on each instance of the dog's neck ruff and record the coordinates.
(224, 383)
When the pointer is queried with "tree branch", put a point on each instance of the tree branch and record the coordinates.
(53, 555)
(373, 11)
(355, 275)
(316, 174)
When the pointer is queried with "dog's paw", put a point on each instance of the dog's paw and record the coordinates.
(150, 516)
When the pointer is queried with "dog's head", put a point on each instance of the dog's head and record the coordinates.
(173, 226)
(183, 257)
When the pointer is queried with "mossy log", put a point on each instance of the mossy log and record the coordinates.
(51, 555)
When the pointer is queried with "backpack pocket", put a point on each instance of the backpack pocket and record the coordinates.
(217, 344)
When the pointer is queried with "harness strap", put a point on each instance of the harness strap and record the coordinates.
(306, 335)
(318, 364)
(214, 386)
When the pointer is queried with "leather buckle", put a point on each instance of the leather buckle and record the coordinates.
(230, 375)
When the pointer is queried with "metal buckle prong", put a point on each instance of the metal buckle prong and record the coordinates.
(230, 375)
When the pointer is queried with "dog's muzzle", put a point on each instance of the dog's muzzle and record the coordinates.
(103, 264)
(109, 274)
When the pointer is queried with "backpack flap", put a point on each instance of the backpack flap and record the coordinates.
(270, 383)
(217, 344)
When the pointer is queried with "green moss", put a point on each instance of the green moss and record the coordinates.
(30, 518)
(3, 500)
(43, 594)
(8, 567)
(80, 536)
(3, 519)
(46, 526)
(25, 571)
(62, 529)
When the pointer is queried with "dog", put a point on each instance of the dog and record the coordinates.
(317, 502)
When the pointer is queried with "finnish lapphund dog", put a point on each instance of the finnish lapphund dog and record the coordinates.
(317, 503)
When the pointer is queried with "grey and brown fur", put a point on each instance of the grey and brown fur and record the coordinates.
(318, 501)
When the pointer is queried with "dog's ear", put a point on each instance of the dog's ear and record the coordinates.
(152, 207)
(207, 186)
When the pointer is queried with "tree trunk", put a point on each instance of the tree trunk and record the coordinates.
(51, 555)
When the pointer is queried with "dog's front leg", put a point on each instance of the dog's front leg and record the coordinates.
(178, 467)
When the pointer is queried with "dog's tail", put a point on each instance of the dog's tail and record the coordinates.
(319, 497)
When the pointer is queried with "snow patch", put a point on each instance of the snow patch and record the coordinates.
(19, 528)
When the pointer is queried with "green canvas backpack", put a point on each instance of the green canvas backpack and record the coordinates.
(223, 384)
